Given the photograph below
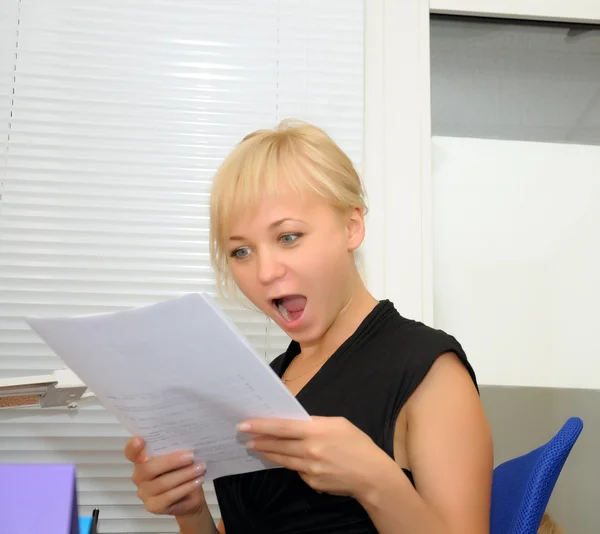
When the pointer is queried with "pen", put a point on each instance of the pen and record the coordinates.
(94, 525)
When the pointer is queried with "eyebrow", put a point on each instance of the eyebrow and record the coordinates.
(272, 226)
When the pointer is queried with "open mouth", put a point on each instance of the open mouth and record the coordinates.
(290, 307)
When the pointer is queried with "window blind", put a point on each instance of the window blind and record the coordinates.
(113, 118)
(8, 41)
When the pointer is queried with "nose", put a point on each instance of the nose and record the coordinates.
(269, 267)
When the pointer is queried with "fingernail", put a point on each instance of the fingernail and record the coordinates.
(199, 481)
(187, 457)
(243, 427)
(200, 468)
(251, 444)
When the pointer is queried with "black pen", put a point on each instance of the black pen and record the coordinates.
(94, 525)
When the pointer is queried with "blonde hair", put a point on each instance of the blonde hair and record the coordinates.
(548, 526)
(294, 154)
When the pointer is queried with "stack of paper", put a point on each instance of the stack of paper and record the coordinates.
(179, 374)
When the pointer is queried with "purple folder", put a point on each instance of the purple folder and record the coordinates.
(38, 498)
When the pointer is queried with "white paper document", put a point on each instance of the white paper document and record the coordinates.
(179, 374)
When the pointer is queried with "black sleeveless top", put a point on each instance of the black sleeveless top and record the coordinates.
(367, 381)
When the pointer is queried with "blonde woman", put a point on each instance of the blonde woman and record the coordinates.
(398, 442)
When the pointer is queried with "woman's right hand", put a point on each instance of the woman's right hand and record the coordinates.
(169, 484)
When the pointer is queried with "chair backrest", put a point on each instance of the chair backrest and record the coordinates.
(522, 486)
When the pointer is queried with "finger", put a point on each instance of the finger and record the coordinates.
(287, 447)
(279, 428)
(134, 450)
(169, 462)
(161, 503)
(173, 479)
(289, 462)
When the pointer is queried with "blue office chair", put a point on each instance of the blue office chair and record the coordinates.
(522, 486)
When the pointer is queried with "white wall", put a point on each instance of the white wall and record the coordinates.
(515, 224)
(517, 258)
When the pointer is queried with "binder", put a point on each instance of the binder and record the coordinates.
(39, 498)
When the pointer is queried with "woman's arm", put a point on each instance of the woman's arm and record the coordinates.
(449, 449)
(450, 453)
(200, 524)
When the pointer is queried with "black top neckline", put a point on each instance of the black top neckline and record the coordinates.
(372, 318)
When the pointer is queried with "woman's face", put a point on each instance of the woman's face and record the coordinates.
(292, 258)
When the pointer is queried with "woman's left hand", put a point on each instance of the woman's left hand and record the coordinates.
(330, 453)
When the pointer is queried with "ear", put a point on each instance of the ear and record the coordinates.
(355, 226)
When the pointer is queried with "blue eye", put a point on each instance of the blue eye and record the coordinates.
(287, 239)
(241, 252)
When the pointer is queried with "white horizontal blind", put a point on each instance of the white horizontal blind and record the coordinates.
(121, 113)
(8, 42)
(320, 68)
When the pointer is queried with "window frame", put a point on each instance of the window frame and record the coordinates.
(397, 148)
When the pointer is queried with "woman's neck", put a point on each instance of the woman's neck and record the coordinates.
(357, 307)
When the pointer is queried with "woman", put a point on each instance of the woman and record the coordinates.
(549, 526)
(398, 442)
